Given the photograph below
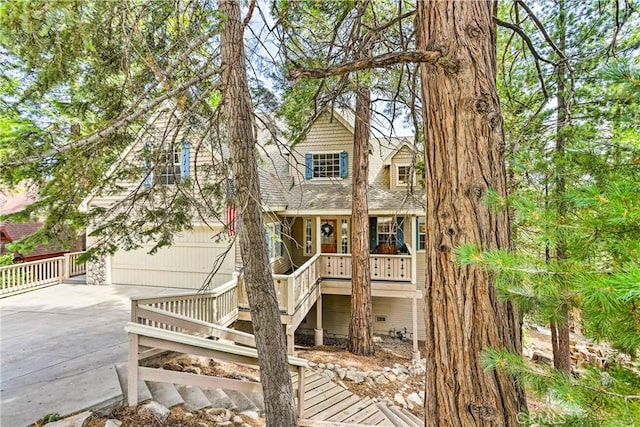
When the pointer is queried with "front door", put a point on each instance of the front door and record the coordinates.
(328, 232)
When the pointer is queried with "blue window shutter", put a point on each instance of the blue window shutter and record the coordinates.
(281, 240)
(344, 164)
(148, 179)
(373, 232)
(185, 164)
(308, 166)
(399, 232)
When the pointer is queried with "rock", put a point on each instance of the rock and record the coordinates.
(421, 394)
(341, 372)
(380, 379)
(251, 414)
(403, 377)
(154, 408)
(312, 364)
(74, 421)
(377, 339)
(417, 371)
(356, 376)
(396, 371)
(370, 382)
(237, 420)
(330, 374)
(113, 423)
(390, 376)
(399, 399)
(386, 369)
(322, 366)
(540, 358)
(331, 366)
(415, 398)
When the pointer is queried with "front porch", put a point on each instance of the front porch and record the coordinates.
(392, 276)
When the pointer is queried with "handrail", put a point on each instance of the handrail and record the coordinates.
(306, 265)
(194, 325)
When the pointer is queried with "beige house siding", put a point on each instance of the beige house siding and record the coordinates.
(185, 264)
(327, 135)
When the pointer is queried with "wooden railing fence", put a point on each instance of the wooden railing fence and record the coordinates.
(28, 275)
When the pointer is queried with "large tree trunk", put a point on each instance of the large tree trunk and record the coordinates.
(263, 301)
(464, 159)
(560, 328)
(360, 331)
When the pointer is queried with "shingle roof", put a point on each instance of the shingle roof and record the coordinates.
(17, 230)
(338, 196)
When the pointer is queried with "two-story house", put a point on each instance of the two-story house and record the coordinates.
(306, 197)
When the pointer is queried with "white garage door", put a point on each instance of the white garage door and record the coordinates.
(185, 264)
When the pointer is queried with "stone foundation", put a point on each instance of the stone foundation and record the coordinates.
(97, 271)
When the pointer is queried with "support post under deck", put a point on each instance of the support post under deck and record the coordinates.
(319, 331)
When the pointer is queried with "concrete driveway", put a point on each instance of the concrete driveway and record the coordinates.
(58, 348)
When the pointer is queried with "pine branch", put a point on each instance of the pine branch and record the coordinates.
(380, 61)
(118, 124)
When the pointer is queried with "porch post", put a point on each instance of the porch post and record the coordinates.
(290, 342)
(416, 243)
(318, 234)
(415, 354)
(319, 331)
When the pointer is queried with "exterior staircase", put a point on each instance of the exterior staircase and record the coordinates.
(326, 403)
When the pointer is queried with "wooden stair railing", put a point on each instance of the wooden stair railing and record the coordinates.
(142, 337)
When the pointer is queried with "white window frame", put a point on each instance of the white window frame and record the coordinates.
(168, 170)
(314, 165)
(307, 225)
(409, 172)
(344, 236)
(421, 220)
(274, 240)
(389, 229)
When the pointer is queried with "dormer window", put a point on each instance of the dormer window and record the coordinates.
(326, 165)
(403, 175)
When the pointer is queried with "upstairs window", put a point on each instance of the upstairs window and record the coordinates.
(326, 165)
(168, 172)
(172, 164)
(403, 175)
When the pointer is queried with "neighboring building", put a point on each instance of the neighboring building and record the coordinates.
(306, 196)
(12, 231)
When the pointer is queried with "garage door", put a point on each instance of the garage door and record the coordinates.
(185, 264)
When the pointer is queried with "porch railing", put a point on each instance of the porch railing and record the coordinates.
(383, 267)
(34, 274)
(291, 289)
(219, 306)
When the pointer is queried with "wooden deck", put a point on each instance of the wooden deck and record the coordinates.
(328, 404)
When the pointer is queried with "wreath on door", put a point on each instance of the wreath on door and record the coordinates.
(326, 229)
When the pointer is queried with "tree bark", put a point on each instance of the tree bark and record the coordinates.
(560, 329)
(464, 147)
(263, 301)
(360, 339)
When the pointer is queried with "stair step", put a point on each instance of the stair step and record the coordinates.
(123, 378)
(391, 415)
(194, 398)
(165, 393)
(219, 398)
(411, 418)
(242, 402)
(257, 399)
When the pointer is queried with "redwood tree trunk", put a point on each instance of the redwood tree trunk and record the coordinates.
(463, 160)
(360, 331)
(263, 301)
